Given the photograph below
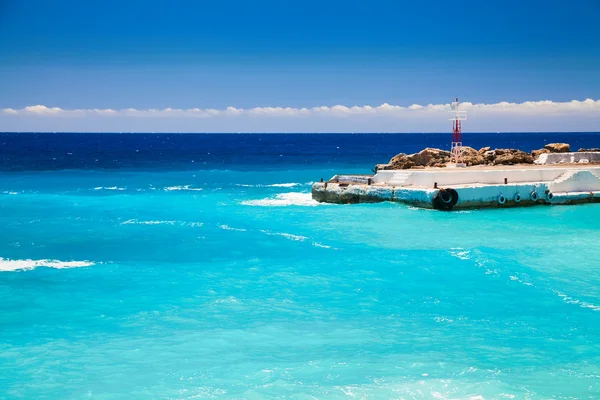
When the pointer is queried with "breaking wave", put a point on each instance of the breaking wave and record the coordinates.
(161, 222)
(109, 188)
(286, 235)
(571, 300)
(184, 187)
(283, 185)
(460, 253)
(28, 264)
(284, 199)
(166, 189)
(229, 228)
(297, 238)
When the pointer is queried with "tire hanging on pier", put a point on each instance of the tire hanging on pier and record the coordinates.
(445, 199)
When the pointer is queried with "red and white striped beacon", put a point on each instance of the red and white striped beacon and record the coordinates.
(456, 158)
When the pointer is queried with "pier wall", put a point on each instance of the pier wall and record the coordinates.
(565, 158)
(474, 188)
(423, 178)
(331, 192)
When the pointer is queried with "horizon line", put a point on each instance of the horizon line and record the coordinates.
(290, 133)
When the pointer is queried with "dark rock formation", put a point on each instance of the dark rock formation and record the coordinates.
(589, 150)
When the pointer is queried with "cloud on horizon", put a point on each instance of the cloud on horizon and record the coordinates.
(531, 115)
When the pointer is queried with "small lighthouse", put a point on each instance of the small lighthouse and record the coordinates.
(456, 158)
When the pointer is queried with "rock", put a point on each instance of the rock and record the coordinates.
(400, 161)
(536, 153)
(558, 147)
(589, 150)
(512, 156)
(472, 156)
(429, 156)
(489, 156)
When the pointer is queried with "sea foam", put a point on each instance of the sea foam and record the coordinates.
(286, 235)
(109, 188)
(28, 264)
(260, 185)
(229, 228)
(284, 199)
(161, 222)
(184, 187)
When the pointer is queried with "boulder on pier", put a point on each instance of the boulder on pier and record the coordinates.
(431, 157)
(558, 147)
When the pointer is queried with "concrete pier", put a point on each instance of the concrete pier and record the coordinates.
(471, 187)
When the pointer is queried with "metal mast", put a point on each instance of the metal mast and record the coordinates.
(456, 148)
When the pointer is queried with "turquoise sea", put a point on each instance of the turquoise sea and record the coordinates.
(225, 280)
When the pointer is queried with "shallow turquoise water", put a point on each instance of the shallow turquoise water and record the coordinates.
(228, 284)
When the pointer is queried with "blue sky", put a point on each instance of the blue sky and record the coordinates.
(77, 55)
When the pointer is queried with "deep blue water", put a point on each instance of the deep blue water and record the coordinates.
(54, 151)
(127, 271)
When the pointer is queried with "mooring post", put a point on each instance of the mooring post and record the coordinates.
(321, 179)
(369, 181)
(505, 181)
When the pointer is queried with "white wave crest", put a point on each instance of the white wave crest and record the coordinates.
(284, 199)
(138, 222)
(571, 300)
(161, 222)
(8, 192)
(185, 187)
(289, 236)
(228, 228)
(28, 264)
(283, 185)
(460, 253)
(287, 185)
(109, 188)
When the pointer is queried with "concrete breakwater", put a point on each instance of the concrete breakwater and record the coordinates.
(573, 179)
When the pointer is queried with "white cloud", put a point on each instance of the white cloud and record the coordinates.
(503, 116)
(42, 110)
(543, 107)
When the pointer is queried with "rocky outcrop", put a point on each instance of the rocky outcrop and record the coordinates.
(472, 156)
(558, 147)
(400, 161)
(511, 156)
(551, 148)
(537, 153)
(595, 149)
(431, 157)
(428, 157)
